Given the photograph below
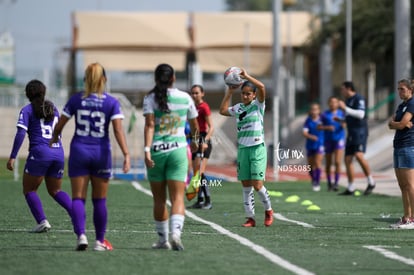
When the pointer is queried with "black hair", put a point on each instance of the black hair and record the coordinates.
(250, 85)
(349, 85)
(164, 77)
(35, 92)
(198, 86)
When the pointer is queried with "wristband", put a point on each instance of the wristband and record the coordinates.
(147, 149)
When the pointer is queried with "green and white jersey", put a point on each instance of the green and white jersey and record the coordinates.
(250, 126)
(169, 127)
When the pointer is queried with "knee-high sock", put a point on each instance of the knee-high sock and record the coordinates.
(162, 230)
(204, 188)
(337, 175)
(78, 216)
(317, 176)
(100, 218)
(265, 198)
(328, 178)
(64, 200)
(35, 205)
(177, 224)
(248, 201)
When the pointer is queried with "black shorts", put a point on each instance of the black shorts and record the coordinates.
(206, 154)
(351, 149)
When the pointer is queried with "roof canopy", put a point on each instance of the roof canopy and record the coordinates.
(139, 41)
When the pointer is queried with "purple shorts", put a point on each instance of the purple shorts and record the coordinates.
(45, 161)
(333, 145)
(90, 160)
(312, 152)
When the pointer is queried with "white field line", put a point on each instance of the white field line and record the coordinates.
(389, 254)
(246, 242)
(283, 218)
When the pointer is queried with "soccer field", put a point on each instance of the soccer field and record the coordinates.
(347, 235)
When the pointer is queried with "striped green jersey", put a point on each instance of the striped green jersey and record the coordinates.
(169, 127)
(250, 130)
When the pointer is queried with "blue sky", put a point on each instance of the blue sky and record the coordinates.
(41, 27)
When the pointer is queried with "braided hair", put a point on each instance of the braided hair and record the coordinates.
(35, 92)
(164, 77)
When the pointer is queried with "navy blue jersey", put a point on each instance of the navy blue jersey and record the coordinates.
(357, 128)
(404, 137)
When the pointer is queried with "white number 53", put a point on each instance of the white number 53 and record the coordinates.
(85, 118)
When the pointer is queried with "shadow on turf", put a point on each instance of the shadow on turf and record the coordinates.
(386, 220)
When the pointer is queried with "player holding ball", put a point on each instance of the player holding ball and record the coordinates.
(251, 152)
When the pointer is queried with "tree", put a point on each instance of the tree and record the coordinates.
(372, 31)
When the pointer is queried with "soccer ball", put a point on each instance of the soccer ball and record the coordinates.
(232, 76)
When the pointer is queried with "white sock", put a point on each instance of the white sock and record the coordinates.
(264, 196)
(162, 230)
(248, 201)
(351, 186)
(177, 224)
(370, 180)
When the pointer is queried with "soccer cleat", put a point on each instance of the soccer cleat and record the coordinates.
(406, 224)
(82, 243)
(197, 205)
(249, 223)
(330, 187)
(268, 217)
(335, 188)
(316, 188)
(43, 226)
(176, 243)
(401, 221)
(161, 245)
(207, 206)
(347, 193)
(369, 189)
(105, 246)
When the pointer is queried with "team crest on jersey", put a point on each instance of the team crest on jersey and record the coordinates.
(405, 108)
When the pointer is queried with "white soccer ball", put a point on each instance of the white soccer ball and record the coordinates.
(232, 76)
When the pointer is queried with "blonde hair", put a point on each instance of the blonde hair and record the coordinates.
(95, 79)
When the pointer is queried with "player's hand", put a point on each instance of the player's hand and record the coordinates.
(409, 124)
(127, 164)
(148, 160)
(194, 147)
(10, 164)
(243, 73)
(232, 88)
(341, 104)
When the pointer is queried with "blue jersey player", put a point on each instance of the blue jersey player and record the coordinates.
(334, 137)
(90, 152)
(356, 140)
(37, 119)
(314, 144)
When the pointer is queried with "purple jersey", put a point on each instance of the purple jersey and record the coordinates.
(42, 160)
(90, 147)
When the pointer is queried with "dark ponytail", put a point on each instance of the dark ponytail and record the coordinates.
(164, 77)
(35, 92)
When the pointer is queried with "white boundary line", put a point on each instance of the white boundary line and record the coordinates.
(389, 254)
(246, 242)
(283, 218)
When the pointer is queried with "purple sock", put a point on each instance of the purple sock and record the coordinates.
(328, 178)
(78, 216)
(311, 174)
(337, 178)
(100, 218)
(65, 201)
(317, 176)
(35, 205)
